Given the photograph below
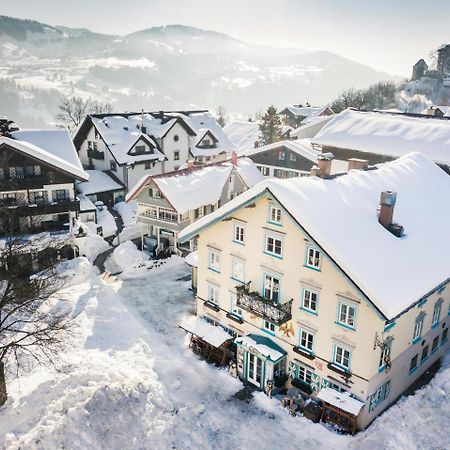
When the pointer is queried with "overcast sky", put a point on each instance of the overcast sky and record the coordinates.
(389, 35)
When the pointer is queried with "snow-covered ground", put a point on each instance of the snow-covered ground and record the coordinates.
(128, 212)
(127, 380)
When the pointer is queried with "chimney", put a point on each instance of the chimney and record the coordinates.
(234, 158)
(324, 162)
(314, 171)
(358, 164)
(190, 165)
(387, 203)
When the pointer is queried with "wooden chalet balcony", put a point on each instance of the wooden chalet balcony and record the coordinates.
(15, 184)
(95, 154)
(254, 303)
(62, 206)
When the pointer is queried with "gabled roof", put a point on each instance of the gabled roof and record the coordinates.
(340, 216)
(202, 185)
(387, 134)
(301, 147)
(304, 111)
(68, 165)
(310, 127)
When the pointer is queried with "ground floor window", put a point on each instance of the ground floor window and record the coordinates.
(379, 395)
(413, 363)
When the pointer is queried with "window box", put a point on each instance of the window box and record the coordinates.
(340, 370)
(235, 317)
(304, 353)
(212, 306)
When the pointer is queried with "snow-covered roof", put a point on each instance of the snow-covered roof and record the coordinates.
(310, 127)
(122, 133)
(341, 400)
(98, 182)
(202, 185)
(263, 345)
(301, 147)
(243, 134)
(214, 335)
(340, 215)
(86, 204)
(387, 134)
(56, 142)
(305, 111)
(192, 259)
(47, 156)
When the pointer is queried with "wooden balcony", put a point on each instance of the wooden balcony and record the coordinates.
(95, 154)
(254, 303)
(62, 206)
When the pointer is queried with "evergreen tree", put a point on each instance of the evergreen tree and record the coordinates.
(270, 126)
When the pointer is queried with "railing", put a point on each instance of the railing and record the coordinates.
(162, 214)
(95, 154)
(254, 303)
(62, 206)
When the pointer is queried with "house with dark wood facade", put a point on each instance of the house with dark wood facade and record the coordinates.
(37, 184)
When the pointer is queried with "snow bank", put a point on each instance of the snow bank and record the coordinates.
(106, 220)
(128, 211)
(127, 256)
(91, 246)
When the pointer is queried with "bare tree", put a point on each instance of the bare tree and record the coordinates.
(29, 327)
(73, 110)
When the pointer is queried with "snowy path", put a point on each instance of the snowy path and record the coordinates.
(128, 381)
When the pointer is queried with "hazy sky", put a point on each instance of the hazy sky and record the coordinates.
(389, 35)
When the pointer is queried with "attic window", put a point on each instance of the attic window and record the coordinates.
(176, 137)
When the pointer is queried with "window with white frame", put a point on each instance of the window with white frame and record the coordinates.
(271, 288)
(309, 300)
(347, 314)
(342, 356)
(293, 157)
(269, 326)
(213, 293)
(235, 309)
(437, 313)
(154, 193)
(214, 260)
(275, 215)
(418, 327)
(239, 233)
(312, 257)
(306, 340)
(274, 245)
(238, 269)
(305, 374)
(281, 155)
(385, 354)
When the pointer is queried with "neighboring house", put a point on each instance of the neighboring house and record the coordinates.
(102, 186)
(88, 211)
(298, 115)
(314, 284)
(131, 145)
(38, 171)
(284, 159)
(384, 136)
(170, 202)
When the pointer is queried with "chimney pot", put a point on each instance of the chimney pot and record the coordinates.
(234, 158)
(314, 171)
(190, 165)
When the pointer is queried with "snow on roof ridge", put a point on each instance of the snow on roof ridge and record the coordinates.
(356, 236)
(45, 156)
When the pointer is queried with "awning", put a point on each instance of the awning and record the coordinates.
(341, 400)
(263, 345)
(211, 334)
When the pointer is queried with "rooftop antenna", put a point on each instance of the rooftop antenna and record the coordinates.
(143, 129)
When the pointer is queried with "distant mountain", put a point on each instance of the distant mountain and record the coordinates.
(171, 66)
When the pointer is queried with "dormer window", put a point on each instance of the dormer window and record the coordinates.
(139, 149)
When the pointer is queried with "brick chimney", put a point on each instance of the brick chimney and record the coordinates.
(324, 162)
(387, 203)
(234, 158)
(190, 165)
(358, 164)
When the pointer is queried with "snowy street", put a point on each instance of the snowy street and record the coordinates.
(128, 380)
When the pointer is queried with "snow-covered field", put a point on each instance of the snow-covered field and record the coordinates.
(128, 381)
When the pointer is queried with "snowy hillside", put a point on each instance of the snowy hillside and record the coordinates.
(128, 381)
(137, 70)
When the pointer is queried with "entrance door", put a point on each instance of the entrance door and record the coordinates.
(254, 371)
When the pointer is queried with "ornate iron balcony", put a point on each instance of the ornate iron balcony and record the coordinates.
(254, 303)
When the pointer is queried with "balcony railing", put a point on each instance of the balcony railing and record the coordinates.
(95, 154)
(254, 303)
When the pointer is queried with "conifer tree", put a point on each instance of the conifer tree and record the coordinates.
(270, 126)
